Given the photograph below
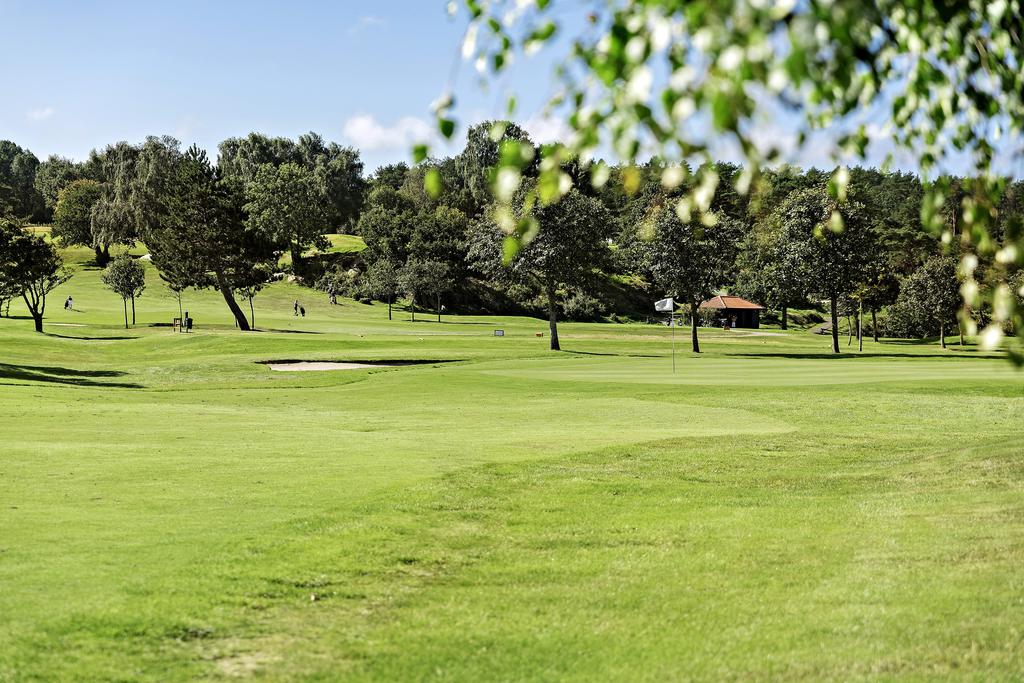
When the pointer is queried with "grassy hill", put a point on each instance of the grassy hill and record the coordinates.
(173, 510)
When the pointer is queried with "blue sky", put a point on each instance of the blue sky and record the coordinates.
(79, 75)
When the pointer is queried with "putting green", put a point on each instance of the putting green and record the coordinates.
(760, 370)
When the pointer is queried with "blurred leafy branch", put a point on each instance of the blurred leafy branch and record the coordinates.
(666, 78)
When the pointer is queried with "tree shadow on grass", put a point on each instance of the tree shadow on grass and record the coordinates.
(621, 355)
(274, 329)
(951, 342)
(71, 336)
(58, 375)
(849, 355)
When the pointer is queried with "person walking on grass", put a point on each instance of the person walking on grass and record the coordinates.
(295, 307)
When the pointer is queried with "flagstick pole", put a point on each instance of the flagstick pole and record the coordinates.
(672, 324)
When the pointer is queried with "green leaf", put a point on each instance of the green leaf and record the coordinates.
(547, 187)
(543, 33)
(510, 248)
(447, 127)
(722, 111)
(432, 183)
(631, 179)
(420, 153)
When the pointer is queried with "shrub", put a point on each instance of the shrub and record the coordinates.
(348, 283)
(583, 307)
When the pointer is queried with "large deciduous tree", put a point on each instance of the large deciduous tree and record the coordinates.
(571, 243)
(439, 282)
(837, 240)
(17, 173)
(336, 170)
(931, 294)
(387, 225)
(72, 217)
(339, 174)
(284, 204)
(691, 261)
(383, 275)
(389, 175)
(126, 277)
(413, 278)
(31, 266)
(52, 176)
(193, 222)
(479, 160)
(10, 288)
(114, 215)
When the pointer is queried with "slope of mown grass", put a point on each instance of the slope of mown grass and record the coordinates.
(172, 510)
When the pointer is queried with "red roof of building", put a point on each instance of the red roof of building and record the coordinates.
(725, 302)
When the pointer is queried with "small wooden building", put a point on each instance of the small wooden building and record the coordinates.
(738, 312)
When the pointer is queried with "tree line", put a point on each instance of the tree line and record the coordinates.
(221, 226)
(796, 240)
(437, 231)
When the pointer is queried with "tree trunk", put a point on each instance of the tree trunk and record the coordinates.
(296, 259)
(389, 307)
(229, 299)
(960, 329)
(833, 306)
(874, 324)
(860, 327)
(849, 330)
(252, 314)
(694, 313)
(942, 334)
(785, 317)
(553, 317)
(180, 314)
(36, 310)
(412, 306)
(125, 302)
(133, 310)
(438, 308)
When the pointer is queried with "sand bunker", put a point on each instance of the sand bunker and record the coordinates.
(320, 365)
(309, 366)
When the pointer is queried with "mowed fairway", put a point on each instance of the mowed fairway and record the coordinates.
(172, 510)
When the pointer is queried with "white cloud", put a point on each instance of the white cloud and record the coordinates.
(185, 128)
(40, 114)
(364, 23)
(368, 134)
(545, 129)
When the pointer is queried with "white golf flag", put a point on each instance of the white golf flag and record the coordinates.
(665, 305)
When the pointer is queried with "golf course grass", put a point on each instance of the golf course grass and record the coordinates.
(172, 509)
